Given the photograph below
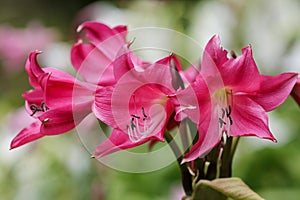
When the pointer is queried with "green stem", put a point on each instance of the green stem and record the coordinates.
(185, 174)
(184, 135)
(234, 146)
(226, 162)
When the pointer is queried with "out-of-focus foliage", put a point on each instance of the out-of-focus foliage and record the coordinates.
(60, 168)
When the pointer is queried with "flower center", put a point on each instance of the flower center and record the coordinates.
(147, 113)
(34, 108)
(222, 98)
(144, 124)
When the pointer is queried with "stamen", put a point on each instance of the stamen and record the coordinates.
(221, 121)
(223, 113)
(224, 138)
(44, 107)
(135, 116)
(228, 112)
(132, 124)
(34, 109)
(138, 130)
(233, 54)
(131, 42)
(46, 120)
(145, 116)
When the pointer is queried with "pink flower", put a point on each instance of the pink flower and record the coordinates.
(58, 102)
(296, 91)
(138, 107)
(233, 98)
(15, 44)
(94, 60)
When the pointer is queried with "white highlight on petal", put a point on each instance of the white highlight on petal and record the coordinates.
(182, 108)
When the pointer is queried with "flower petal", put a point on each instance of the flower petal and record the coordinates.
(102, 106)
(27, 135)
(274, 90)
(60, 120)
(63, 93)
(108, 41)
(33, 69)
(213, 57)
(189, 101)
(209, 134)
(97, 32)
(241, 74)
(249, 119)
(91, 63)
(34, 96)
(296, 91)
(118, 140)
(189, 75)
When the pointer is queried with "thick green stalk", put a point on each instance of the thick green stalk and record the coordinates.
(186, 177)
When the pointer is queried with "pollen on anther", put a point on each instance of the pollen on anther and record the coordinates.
(46, 120)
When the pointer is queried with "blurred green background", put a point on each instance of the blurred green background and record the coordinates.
(60, 167)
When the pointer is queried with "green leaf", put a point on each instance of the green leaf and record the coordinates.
(222, 188)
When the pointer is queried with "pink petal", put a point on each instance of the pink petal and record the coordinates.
(58, 75)
(108, 41)
(296, 91)
(249, 119)
(60, 120)
(102, 106)
(33, 69)
(27, 135)
(241, 74)
(60, 93)
(191, 99)
(136, 90)
(213, 57)
(34, 96)
(91, 63)
(118, 140)
(121, 29)
(98, 32)
(189, 75)
(126, 62)
(174, 64)
(274, 90)
(209, 134)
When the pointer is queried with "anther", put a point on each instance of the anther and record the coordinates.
(228, 112)
(221, 121)
(130, 42)
(223, 113)
(44, 107)
(132, 126)
(34, 109)
(145, 116)
(46, 120)
(233, 54)
(135, 116)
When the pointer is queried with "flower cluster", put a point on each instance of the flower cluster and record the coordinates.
(227, 97)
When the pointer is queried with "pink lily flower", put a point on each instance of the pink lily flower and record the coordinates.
(296, 91)
(53, 103)
(93, 60)
(233, 98)
(138, 107)
(59, 101)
